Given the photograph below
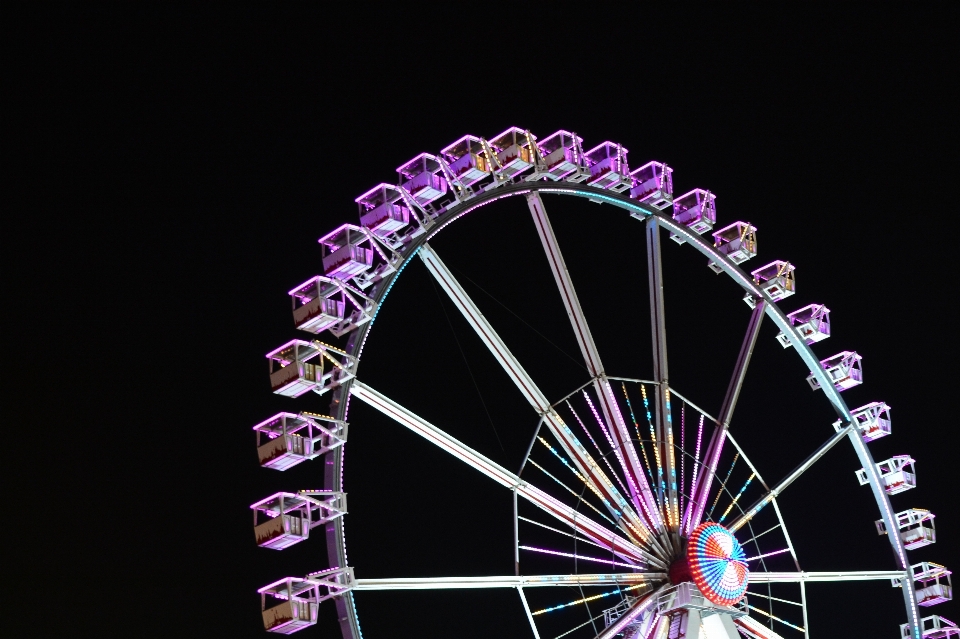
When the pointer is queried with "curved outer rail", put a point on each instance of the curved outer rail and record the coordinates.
(333, 462)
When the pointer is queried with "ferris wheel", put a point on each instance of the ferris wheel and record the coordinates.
(656, 518)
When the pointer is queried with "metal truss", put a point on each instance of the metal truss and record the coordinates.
(362, 264)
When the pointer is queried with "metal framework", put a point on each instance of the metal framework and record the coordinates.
(642, 510)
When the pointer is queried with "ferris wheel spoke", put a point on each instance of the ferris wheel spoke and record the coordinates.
(772, 494)
(804, 576)
(510, 581)
(592, 530)
(715, 447)
(618, 505)
(625, 452)
(667, 488)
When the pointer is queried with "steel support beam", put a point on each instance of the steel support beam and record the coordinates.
(587, 527)
(356, 339)
(715, 447)
(772, 494)
(625, 451)
(666, 467)
(618, 505)
(803, 576)
(526, 609)
(512, 581)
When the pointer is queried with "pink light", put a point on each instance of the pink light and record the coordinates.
(696, 467)
(769, 554)
(599, 452)
(413, 163)
(683, 456)
(603, 427)
(375, 190)
(292, 342)
(606, 144)
(572, 556)
(513, 129)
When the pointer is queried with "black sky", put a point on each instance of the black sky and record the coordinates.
(173, 169)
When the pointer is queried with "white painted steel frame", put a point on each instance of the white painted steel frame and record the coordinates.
(510, 581)
(715, 447)
(774, 492)
(624, 450)
(587, 527)
(776, 508)
(333, 477)
(666, 466)
(630, 523)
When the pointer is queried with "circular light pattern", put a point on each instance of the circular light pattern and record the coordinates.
(717, 563)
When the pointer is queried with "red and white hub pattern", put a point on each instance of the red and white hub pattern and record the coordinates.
(718, 564)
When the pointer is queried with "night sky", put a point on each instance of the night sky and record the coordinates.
(172, 172)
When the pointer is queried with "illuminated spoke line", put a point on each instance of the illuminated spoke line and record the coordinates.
(573, 630)
(723, 486)
(661, 485)
(596, 416)
(672, 507)
(775, 618)
(577, 473)
(560, 532)
(591, 598)
(736, 499)
(757, 594)
(614, 447)
(755, 537)
(570, 490)
(683, 456)
(769, 554)
(599, 450)
(693, 482)
(636, 426)
(578, 557)
(624, 523)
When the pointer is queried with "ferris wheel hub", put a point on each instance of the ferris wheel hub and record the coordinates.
(717, 564)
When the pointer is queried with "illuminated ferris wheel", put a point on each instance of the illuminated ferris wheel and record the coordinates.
(658, 523)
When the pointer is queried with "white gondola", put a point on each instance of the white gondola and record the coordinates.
(812, 323)
(696, 210)
(562, 158)
(299, 366)
(284, 519)
(844, 369)
(608, 167)
(323, 303)
(932, 627)
(933, 584)
(286, 439)
(738, 241)
(896, 474)
(915, 526)
(344, 252)
(421, 178)
(653, 185)
(872, 420)
(315, 304)
(516, 151)
(290, 604)
(776, 279)
(382, 210)
(467, 160)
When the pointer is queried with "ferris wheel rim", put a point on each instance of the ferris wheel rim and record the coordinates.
(336, 544)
